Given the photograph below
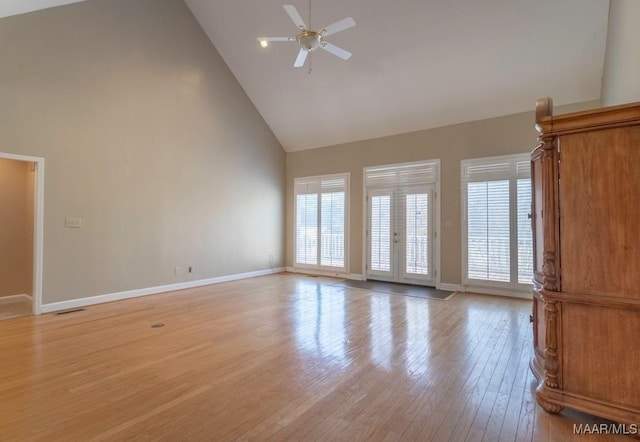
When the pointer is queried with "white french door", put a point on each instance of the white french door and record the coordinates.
(400, 234)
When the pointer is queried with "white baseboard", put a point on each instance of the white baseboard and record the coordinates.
(498, 292)
(15, 298)
(449, 287)
(354, 276)
(82, 302)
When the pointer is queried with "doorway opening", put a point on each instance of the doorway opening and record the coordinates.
(402, 222)
(21, 234)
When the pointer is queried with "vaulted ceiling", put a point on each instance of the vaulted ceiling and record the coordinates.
(416, 64)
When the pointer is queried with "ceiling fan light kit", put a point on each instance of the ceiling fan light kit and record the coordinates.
(310, 40)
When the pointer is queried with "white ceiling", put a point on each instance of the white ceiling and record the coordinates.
(15, 7)
(416, 64)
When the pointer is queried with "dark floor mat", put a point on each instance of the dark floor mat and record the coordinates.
(417, 291)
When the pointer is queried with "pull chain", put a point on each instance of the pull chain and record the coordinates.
(310, 53)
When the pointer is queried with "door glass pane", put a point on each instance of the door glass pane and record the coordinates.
(307, 228)
(417, 234)
(488, 241)
(380, 233)
(332, 229)
(525, 239)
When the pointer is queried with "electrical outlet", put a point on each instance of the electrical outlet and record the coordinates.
(73, 223)
(178, 270)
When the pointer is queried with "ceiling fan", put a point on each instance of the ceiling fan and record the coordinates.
(310, 40)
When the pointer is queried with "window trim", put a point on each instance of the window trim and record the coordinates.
(512, 176)
(347, 183)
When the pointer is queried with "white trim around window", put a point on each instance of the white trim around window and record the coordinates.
(321, 223)
(496, 229)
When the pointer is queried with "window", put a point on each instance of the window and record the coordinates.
(320, 236)
(497, 239)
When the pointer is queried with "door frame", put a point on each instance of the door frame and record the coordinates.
(436, 217)
(38, 225)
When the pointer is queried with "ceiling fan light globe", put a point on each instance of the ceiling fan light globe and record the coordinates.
(264, 43)
(309, 40)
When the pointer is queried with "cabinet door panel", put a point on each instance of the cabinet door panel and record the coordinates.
(597, 364)
(600, 213)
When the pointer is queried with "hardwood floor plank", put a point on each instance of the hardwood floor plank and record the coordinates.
(517, 367)
(494, 392)
(283, 357)
(435, 408)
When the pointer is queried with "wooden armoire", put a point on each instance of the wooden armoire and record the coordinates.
(586, 225)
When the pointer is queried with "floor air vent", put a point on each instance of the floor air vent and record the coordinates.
(66, 312)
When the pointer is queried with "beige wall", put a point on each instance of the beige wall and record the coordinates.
(148, 138)
(621, 74)
(451, 144)
(16, 227)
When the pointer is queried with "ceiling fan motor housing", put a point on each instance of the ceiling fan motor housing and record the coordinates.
(310, 40)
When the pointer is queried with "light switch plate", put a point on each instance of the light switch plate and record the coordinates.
(73, 223)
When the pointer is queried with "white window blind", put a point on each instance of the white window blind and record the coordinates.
(381, 233)
(488, 233)
(307, 228)
(496, 226)
(525, 234)
(417, 234)
(320, 236)
(405, 174)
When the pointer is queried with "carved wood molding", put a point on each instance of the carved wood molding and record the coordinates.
(537, 152)
(550, 275)
(597, 300)
(549, 407)
(544, 108)
(551, 345)
(585, 121)
(550, 266)
(609, 408)
(543, 399)
(549, 399)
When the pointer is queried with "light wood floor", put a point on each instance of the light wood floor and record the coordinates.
(283, 357)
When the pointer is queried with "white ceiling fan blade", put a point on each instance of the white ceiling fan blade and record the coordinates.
(270, 39)
(335, 50)
(302, 57)
(338, 26)
(295, 17)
